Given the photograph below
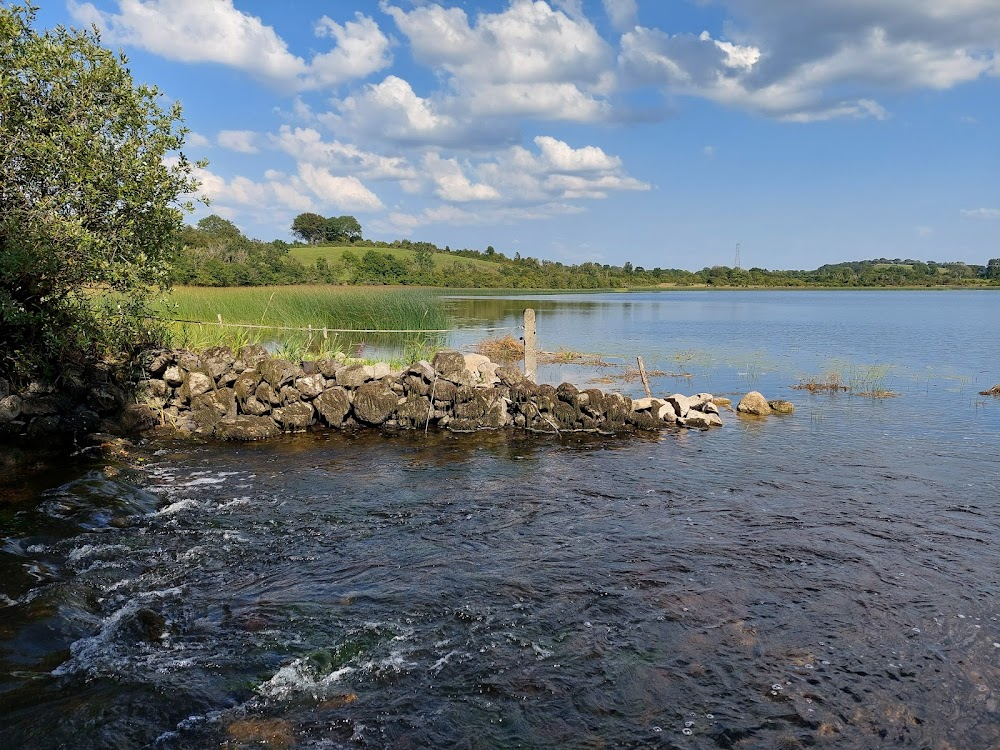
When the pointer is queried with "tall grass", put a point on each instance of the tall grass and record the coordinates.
(360, 309)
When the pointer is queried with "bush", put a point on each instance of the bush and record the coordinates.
(91, 187)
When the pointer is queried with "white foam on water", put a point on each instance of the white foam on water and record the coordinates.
(96, 654)
(177, 507)
(6, 601)
(298, 678)
(92, 550)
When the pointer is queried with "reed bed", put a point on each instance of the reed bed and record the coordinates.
(261, 315)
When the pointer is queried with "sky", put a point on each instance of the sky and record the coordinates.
(660, 132)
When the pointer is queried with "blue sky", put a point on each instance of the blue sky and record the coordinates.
(662, 132)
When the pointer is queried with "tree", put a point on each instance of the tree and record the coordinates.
(342, 229)
(993, 269)
(92, 186)
(216, 226)
(309, 227)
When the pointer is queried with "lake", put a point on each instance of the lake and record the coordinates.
(827, 578)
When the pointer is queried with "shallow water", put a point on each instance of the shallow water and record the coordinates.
(828, 578)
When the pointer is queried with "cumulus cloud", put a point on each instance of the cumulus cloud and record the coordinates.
(825, 59)
(451, 183)
(214, 31)
(307, 145)
(346, 193)
(241, 141)
(530, 60)
(623, 14)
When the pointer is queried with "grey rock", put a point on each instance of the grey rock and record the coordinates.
(246, 428)
(10, 408)
(353, 376)
(297, 416)
(311, 385)
(174, 376)
(278, 372)
(246, 384)
(413, 412)
(333, 406)
(253, 355)
(374, 403)
(449, 364)
(217, 360)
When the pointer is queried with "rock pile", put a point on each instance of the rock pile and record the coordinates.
(251, 396)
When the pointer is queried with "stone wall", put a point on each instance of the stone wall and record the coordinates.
(251, 396)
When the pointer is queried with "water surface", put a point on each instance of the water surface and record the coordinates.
(824, 579)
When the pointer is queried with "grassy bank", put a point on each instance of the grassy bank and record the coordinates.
(271, 309)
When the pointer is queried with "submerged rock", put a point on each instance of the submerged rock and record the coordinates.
(781, 407)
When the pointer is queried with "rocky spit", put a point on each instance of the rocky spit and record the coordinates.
(250, 395)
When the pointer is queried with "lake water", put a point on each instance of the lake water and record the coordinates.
(826, 579)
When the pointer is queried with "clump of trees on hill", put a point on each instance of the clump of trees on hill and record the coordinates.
(313, 229)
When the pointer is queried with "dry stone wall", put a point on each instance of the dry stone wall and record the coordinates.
(252, 396)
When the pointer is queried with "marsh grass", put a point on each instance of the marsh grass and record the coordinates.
(863, 380)
(364, 309)
(831, 382)
(505, 350)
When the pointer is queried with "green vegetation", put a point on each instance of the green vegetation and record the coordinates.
(90, 186)
(214, 254)
(267, 310)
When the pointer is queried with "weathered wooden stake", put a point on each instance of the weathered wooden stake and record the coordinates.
(642, 375)
(530, 346)
(219, 316)
(325, 334)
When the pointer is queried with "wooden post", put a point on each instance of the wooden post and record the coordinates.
(219, 316)
(325, 334)
(642, 375)
(530, 346)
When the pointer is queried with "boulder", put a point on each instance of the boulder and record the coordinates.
(310, 386)
(267, 394)
(413, 411)
(156, 362)
(188, 360)
(277, 372)
(254, 407)
(422, 369)
(134, 418)
(642, 404)
(246, 384)
(253, 355)
(353, 376)
(288, 395)
(379, 370)
(449, 364)
(333, 406)
(222, 400)
(217, 360)
(173, 376)
(667, 413)
(196, 383)
(246, 428)
(681, 404)
(297, 416)
(374, 403)
(10, 408)
(327, 368)
(754, 404)
(781, 407)
(45, 426)
(700, 419)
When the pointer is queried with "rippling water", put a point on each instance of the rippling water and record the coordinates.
(826, 579)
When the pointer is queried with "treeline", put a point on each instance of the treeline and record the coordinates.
(216, 253)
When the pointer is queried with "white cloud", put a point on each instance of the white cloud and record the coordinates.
(981, 213)
(624, 14)
(821, 60)
(307, 145)
(345, 193)
(560, 156)
(241, 193)
(452, 185)
(214, 31)
(709, 151)
(241, 141)
(924, 231)
(530, 60)
(196, 140)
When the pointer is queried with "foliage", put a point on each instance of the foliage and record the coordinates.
(91, 181)
(309, 227)
(313, 228)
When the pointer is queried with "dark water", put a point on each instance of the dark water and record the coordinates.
(829, 579)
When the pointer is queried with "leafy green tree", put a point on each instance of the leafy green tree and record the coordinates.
(993, 269)
(218, 227)
(309, 227)
(342, 229)
(92, 186)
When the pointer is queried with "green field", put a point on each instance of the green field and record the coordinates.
(332, 254)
